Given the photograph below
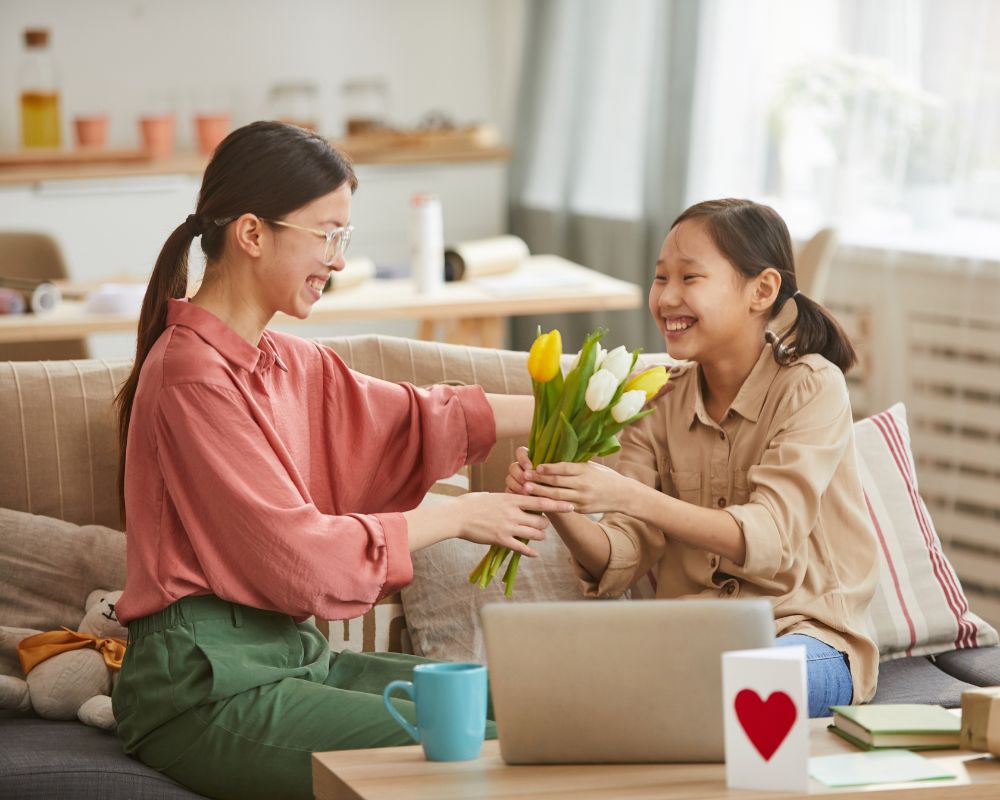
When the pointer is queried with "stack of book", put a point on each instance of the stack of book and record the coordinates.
(906, 726)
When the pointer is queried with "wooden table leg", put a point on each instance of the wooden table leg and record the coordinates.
(472, 331)
(426, 330)
(491, 332)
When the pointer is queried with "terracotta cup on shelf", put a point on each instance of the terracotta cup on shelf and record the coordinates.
(91, 130)
(211, 129)
(157, 133)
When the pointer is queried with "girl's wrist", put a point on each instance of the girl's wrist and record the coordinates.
(644, 502)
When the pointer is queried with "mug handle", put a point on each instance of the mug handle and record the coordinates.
(407, 687)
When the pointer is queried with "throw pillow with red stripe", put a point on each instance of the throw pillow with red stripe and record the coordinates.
(919, 607)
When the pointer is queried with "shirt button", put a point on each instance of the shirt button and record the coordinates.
(714, 562)
(730, 588)
(722, 502)
(722, 434)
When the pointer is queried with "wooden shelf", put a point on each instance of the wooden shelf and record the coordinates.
(381, 151)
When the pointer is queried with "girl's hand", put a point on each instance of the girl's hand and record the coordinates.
(515, 473)
(491, 518)
(592, 488)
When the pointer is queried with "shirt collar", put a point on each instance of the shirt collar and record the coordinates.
(750, 398)
(233, 347)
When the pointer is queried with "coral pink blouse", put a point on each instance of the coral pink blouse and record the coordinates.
(274, 476)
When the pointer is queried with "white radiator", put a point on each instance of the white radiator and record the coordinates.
(928, 333)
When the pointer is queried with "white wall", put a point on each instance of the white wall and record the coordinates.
(121, 56)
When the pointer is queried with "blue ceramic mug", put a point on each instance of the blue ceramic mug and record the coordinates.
(451, 709)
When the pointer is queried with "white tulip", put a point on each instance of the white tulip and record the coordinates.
(618, 362)
(629, 405)
(601, 353)
(600, 390)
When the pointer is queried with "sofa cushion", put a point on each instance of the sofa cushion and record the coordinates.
(50, 566)
(45, 759)
(442, 607)
(60, 441)
(919, 607)
(979, 666)
(917, 680)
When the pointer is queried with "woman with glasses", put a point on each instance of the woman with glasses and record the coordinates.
(263, 482)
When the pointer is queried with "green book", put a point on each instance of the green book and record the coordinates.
(904, 725)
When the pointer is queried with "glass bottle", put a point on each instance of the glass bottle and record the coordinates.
(39, 92)
(365, 103)
(296, 104)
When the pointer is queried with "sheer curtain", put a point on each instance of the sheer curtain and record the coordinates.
(882, 118)
(601, 143)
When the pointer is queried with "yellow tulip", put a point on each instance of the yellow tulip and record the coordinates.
(650, 381)
(543, 360)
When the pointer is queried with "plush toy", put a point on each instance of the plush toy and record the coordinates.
(69, 674)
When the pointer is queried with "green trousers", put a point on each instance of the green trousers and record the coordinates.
(231, 701)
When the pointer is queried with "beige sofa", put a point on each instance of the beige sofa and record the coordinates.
(58, 461)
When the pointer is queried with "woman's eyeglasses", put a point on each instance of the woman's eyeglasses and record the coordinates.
(336, 239)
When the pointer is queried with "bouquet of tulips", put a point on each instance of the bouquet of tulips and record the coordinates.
(577, 417)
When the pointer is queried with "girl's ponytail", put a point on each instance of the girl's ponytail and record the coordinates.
(815, 331)
(169, 280)
(753, 237)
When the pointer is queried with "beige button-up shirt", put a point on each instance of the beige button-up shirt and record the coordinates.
(783, 464)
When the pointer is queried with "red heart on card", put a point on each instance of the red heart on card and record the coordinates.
(766, 723)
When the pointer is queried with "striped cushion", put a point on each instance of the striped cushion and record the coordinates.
(385, 628)
(919, 606)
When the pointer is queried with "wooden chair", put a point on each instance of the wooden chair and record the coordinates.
(813, 262)
(26, 254)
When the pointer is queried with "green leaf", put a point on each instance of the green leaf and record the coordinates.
(609, 446)
(576, 382)
(544, 444)
(591, 431)
(567, 441)
(538, 390)
(552, 394)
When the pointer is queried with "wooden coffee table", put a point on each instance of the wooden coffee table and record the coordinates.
(400, 773)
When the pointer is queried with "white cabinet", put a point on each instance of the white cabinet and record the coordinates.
(116, 226)
(104, 227)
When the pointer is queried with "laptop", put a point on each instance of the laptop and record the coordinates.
(615, 682)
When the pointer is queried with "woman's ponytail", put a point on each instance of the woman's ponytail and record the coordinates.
(753, 237)
(169, 280)
(265, 168)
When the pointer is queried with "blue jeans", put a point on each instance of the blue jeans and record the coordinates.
(828, 678)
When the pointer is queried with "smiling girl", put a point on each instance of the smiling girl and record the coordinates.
(264, 482)
(744, 483)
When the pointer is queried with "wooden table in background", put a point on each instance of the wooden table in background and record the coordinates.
(402, 773)
(464, 312)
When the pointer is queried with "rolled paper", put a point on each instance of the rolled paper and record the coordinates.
(480, 257)
(40, 296)
(44, 298)
(981, 720)
(355, 272)
(12, 302)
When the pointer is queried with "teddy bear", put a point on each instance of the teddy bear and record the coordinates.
(76, 680)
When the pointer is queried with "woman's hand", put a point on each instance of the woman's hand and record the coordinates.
(491, 518)
(591, 487)
(515, 473)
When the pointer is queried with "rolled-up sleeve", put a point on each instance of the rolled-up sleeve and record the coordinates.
(814, 429)
(248, 521)
(635, 545)
(428, 434)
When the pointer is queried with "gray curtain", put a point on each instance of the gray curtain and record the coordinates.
(624, 246)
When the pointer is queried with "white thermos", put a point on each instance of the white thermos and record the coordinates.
(426, 242)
